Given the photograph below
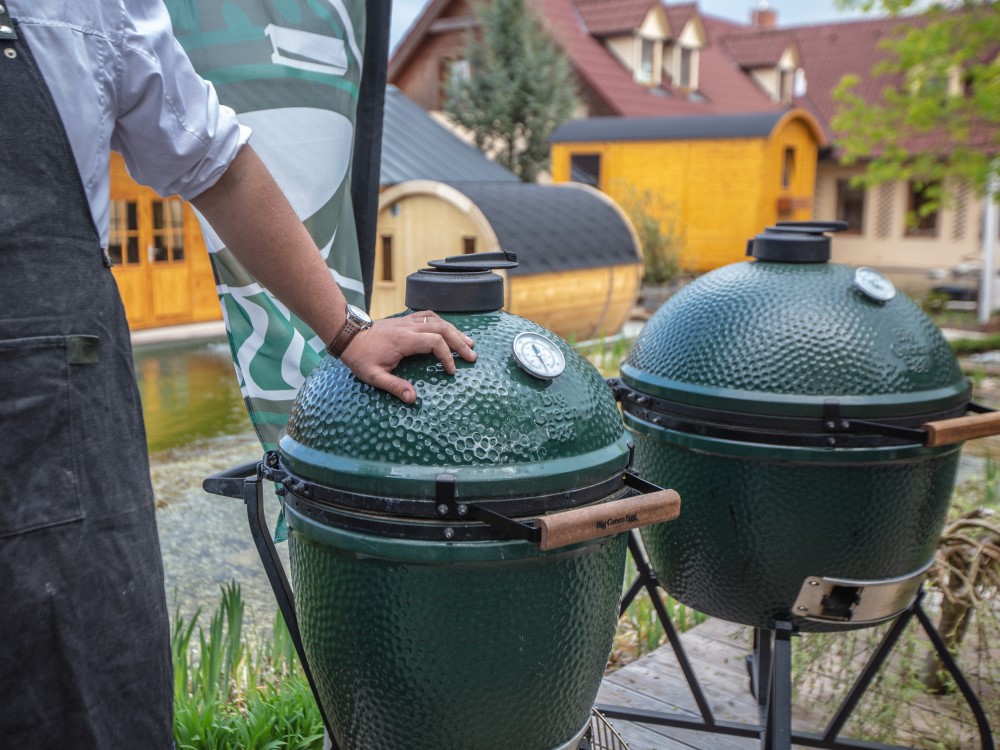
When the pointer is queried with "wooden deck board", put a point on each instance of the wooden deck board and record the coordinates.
(656, 683)
(717, 652)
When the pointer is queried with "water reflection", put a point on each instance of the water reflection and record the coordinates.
(189, 392)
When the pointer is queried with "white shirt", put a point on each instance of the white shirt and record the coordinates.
(121, 81)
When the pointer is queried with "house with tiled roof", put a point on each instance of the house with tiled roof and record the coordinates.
(632, 58)
(880, 233)
(644, 58)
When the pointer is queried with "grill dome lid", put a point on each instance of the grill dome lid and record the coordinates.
(502, 431)
(784, 336)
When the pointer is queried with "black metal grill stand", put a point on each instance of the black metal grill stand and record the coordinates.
(770, 674)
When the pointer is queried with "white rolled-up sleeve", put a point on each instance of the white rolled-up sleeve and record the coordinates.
(170, 128)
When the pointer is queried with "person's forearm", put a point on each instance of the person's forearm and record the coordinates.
(253, 218)
(250, 214)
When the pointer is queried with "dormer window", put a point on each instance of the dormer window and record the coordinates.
(686, 67)
(647, 61)
(786, 79)
(681, 59)
(682, 66)
(937, 83)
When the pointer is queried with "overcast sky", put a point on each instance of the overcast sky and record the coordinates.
(404, 12)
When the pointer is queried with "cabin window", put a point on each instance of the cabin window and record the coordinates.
(920, 223)
(386, 258)
(585, 168)
(123, 239)
(168, 231)
(453, 72)
(851, 206)
(646, 62)
(788, 167)
(468, 245)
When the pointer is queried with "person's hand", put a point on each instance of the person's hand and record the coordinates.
(375, 352)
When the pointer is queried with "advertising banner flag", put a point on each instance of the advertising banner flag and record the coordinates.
(308, 76)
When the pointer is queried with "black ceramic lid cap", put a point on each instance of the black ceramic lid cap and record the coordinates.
(459, 284)
(795, 242)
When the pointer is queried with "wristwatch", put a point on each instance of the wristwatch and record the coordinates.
(357, 321)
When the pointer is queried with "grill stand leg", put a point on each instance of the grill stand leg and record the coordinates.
(777, 709)
(253, 497)
(770, 672)
(652, 586)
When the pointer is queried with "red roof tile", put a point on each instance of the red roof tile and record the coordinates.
(721, 80)
(757, 49)
(604, 18)
(827, 53)
(678, 14)
(603, 73)
(831, 51)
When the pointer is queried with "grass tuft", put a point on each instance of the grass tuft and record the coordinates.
(229, 695)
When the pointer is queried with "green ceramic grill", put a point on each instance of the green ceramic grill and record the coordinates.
(457, 563)
(810, 416)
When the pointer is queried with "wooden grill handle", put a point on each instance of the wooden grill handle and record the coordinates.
(948, 431)
(583, 524)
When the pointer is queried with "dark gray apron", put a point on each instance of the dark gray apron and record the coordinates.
(84, 639)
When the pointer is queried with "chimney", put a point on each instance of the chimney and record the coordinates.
(764, 16)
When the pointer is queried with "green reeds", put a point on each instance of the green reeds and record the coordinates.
(231, 696)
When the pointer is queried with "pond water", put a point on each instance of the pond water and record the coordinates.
(189, 392)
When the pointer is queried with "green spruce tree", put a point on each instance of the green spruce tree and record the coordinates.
(519, 89)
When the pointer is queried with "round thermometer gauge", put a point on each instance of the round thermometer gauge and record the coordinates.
(538, 356)
(874, 284)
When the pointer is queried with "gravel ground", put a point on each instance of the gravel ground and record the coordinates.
(205, 539)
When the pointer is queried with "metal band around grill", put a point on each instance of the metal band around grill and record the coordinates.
(830, 430)
(480, 524)
(452, 521)
(442, 518)
(431, 508)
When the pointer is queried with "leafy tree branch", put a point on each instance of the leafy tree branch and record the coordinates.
(937, 117)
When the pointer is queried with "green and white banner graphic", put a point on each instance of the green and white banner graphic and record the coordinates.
(291, 69)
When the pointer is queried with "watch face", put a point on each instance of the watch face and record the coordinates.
(874, 285)
(359, 315)
(538, 356)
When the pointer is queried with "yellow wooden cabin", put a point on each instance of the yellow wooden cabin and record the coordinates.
(161, 264)
(714, 180)
(579, 263)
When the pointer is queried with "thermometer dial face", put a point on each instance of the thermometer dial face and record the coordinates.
(538, 356)
(874, 285)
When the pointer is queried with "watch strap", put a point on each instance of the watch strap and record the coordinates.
(352, 327)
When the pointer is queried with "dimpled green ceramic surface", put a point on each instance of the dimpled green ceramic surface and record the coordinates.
(755, 526)
(437, 645)
(781, 339)
(502, 431)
